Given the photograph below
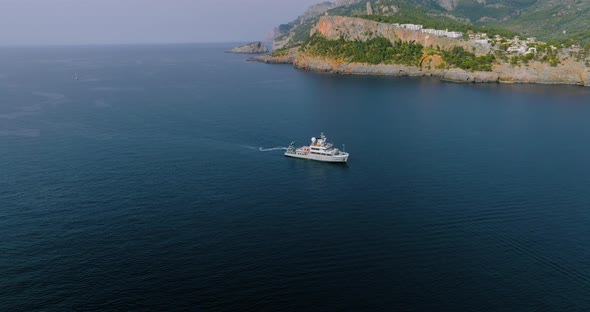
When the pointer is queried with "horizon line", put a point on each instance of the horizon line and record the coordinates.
(30, 45)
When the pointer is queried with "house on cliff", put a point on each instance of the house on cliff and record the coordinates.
(411, 26)
(442, 33)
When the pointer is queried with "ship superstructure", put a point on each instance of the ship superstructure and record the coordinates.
(319, 150)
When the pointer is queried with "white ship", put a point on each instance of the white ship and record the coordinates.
(319, 150)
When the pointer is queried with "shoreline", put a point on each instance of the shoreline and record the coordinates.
(535, 73)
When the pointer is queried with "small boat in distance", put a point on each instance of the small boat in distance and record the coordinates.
(319, 150)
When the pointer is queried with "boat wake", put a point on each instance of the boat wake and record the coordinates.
(278, 148)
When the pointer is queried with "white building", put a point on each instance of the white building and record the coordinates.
(454, 34)
(411, 26)
(442, 33)
(435, 32)
(519, 50)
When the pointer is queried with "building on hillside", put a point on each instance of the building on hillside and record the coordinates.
(431, 31)
(517, 49)
(442, 33)
(411, 26)
(479, 36)
(454, 34)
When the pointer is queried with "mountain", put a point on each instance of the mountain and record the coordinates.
(510, 41)
(549, 20)
(546, 19)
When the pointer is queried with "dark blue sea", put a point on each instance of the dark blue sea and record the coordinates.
(131, 178)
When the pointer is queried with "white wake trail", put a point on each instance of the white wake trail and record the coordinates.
(278, 148)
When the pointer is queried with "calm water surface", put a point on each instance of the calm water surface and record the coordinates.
(141, 186)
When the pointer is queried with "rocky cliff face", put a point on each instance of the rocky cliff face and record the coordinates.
(351, 28)
(569, 71)
(250, 48)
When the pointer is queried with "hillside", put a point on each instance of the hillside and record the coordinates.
(548, 20)
(362, 46)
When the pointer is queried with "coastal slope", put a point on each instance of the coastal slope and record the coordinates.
(435, 58)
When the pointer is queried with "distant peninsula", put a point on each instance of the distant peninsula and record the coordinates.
(257, 47)
(371, 38)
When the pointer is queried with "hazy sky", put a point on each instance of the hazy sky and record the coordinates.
(142, 21)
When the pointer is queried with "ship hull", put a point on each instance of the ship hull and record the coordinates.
(324, 158)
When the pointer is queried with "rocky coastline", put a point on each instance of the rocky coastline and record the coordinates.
(570, 72)
(290, 58)
(257, 47)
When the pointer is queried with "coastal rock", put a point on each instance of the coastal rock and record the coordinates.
(257, 47)
(269, 59)
(568, 71)
(318, 64)
(279, 57)
(457, 75)
(480, 76)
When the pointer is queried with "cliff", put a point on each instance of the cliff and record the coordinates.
(351, 28)
(568, 71)
(250, 48)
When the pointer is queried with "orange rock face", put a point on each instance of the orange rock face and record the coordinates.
(432, 62)
(351, 28)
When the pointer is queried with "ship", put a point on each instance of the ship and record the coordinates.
(319, 150)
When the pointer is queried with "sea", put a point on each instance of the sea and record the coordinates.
(152, 177)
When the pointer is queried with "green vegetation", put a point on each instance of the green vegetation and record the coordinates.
(285, 28)
(474, 10)
(279, 52)
(544, 53)
(374, 51)
(298, 31)
(302, 32)
(458, 57)
(382, 51)
(554, 21)
(562, 25)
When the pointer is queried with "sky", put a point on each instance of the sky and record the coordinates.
(38, 22)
